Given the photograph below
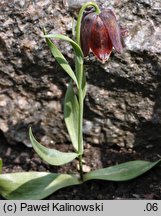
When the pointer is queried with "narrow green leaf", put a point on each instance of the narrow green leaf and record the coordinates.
(0, 165)
(121, 172)
(73, 27)
(61, 60)
(33, 185)
(51, 156)
(71, 109)
(75, 46)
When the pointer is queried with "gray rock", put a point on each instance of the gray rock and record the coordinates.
(122, 106)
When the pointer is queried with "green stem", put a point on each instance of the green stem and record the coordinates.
(78, 26)
(81, 102)
(81, 168)
(80, 117)
(79, 75)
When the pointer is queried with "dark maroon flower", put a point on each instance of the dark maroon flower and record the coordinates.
(100, 33)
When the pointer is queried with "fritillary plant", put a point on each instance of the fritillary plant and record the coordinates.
(96, 31)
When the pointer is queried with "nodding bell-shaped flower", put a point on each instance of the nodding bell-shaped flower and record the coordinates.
(100, 33)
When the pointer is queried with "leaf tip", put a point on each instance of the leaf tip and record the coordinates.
(30, 130)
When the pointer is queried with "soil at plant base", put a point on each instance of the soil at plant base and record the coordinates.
(148, 186)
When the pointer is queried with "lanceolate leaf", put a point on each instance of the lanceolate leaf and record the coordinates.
(0, 165)
(51, 156)
(121, 172)
(71, 109)
(73, 27)
(61, 60)
(33, 185)
(75, 46)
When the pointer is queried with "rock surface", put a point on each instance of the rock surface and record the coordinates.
(123, 104)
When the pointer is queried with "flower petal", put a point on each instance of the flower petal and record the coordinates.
(100, 42)
(86, 26)
(109, 20)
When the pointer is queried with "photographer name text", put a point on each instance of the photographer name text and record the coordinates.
(54, 207)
